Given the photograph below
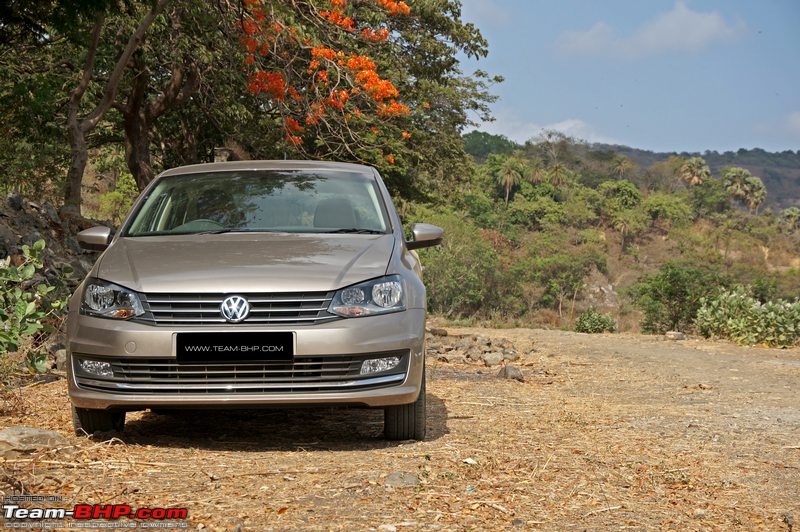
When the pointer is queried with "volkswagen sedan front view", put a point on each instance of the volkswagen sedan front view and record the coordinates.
(256, 283)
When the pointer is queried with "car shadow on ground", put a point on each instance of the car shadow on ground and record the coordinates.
(332, 429)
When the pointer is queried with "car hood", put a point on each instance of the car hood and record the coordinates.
(245, 262)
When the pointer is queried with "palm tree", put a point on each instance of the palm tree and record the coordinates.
(621, 166)
(511, 172)
(735, 182)
(694, 171)
(790, 217)
(756, 194)
(558, 174)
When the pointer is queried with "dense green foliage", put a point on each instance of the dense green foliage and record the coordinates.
(670, 297)
(555, 223)
(739, 316)
(536, 232)
(591, 321)
(170, 81)
(28, 303)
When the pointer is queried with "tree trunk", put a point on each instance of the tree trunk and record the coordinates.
(137, 150)
(78, 127)
(78, 159)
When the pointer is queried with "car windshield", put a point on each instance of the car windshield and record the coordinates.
(315, 201)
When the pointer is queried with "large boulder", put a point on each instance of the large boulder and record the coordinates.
(18, 441)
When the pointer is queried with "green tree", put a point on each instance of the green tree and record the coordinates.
(510, 174)
(790, 219)
(85, 107)
(671, 297)
(756, 194)
(667, 209)
(735, 182)
(480, 144)
(622, 166)
(619, 195)
(694, 171)
(461, 275)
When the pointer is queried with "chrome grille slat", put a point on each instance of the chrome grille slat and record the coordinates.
(304, 373)
(200, 309)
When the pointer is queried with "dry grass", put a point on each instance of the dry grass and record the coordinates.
(601, 435)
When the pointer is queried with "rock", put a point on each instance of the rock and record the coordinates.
(60, 360)
(492, 359)
(510, 355)
(55, 346)
(401, 479)
(675, 335)
(52, 214)
(8, 241)
(511, 372)
(463, 344)
(452, 357)
(16, 441)
(14, 201)
(474, 353)
(518, 522)
(438, 332)
(699, 513)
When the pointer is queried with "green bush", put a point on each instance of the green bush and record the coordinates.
(671, 297)
(591, 321)
(28, 303)
(461, 274)
(114, 205)
(737, 315)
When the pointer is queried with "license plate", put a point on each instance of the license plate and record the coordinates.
(234, 347)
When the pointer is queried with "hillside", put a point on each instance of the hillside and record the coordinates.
(779, 171)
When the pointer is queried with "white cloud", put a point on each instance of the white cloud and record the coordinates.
(793, 123)
(485, 13)
(521, 131)
(680, 29)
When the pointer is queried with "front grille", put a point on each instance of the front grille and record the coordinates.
(294, 308)
(304, 374)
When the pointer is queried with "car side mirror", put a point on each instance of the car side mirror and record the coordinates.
(425, 236)
(95, 238)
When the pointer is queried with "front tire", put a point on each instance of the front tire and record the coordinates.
(89, 421)
(406, 422)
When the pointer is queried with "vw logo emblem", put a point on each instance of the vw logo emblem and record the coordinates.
(234, 309)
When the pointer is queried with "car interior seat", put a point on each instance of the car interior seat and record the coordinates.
(335, 213)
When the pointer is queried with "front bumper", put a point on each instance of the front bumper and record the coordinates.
(150, 352)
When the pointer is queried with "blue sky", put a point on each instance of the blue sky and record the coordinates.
(664, 75)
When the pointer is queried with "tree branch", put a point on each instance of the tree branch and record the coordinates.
(112, 85)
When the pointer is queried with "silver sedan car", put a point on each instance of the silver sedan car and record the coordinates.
(256, 283)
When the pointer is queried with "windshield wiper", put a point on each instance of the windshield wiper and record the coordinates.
(215, 231)
(356, 231)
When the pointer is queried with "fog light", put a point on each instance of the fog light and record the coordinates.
(376, 365)
(96, 367)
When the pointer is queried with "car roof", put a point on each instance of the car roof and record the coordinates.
(236, 166)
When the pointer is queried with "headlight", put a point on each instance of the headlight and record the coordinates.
(379, 296)
(107, 300)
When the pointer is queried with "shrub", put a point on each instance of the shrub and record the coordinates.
(737, 315)
(670, 298)
(591, 321)
(114, 205)
(28, 302)
(462, 274)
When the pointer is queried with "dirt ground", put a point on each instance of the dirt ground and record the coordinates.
(607, 432)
